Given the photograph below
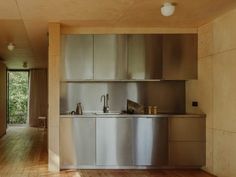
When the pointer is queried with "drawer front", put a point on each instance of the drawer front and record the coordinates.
(187, 153)
(187, 129)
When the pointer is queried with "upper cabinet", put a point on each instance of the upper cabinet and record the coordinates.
(77, 57)
(144, 56)
(110, 59)
(179, 57)
(129, 57)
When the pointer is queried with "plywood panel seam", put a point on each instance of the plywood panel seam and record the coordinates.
(223, 130)
(217, 53)
(20, 14)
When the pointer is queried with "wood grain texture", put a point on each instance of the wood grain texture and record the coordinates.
(53, 96)
(143, 16)
(215, 92)
(24, 154)
(14, 31)
(123, 13)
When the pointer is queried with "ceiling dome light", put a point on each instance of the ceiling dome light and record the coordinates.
(167, 9)
(11, 46)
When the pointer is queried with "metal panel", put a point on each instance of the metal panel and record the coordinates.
(187, 144)
(77, 57)
(187, 153)
(168, 96)
(110, 57)
(187, 129)
(179, 56)
(77, 142)
(150, 142)
(144, 56)
(114, 141)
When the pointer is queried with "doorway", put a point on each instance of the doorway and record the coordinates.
(18, 97)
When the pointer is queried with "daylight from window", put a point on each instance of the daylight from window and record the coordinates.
(18, 88)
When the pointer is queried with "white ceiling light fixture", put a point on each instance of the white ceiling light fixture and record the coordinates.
(168, 9)
(11, 46)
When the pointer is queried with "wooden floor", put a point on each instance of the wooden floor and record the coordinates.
(23, 152)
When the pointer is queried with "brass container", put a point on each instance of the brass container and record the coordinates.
(154, 110)
(149, 110)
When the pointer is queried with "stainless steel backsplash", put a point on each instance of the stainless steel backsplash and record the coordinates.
(168, 96)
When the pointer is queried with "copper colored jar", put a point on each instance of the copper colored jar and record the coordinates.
(154, 110)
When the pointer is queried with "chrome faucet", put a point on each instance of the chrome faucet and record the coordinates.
(105, 103)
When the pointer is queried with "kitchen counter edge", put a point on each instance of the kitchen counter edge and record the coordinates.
(187, 115)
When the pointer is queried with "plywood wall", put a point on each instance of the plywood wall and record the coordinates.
(3, 98)
(215, 90)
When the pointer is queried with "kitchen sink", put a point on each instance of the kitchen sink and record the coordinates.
(107, 113)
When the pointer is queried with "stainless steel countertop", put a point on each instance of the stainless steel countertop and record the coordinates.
(93, 115)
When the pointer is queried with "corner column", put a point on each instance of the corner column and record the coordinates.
(53, 96)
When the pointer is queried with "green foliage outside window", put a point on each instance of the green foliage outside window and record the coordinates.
(18, 97)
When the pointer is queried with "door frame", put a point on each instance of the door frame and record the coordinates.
(14, 70)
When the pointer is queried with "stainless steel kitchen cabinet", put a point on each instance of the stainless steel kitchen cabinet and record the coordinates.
(150, 141)
(144, 56)
(187, 129)
(187, 154)
(77, 142)
(114, 141)
(132, 141)
(77, 57)
(179, 56)
(110, 57)
(187, 141)
(129, 56)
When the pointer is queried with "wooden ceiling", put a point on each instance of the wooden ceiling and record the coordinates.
(25, 22)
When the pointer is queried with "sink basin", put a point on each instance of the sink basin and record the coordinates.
(108, 113)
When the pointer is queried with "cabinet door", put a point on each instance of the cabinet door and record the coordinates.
(150, 141)
(110, 60)
(179, 56)
(114, 141)
(144, 56)
(77, 142)
(77, 57)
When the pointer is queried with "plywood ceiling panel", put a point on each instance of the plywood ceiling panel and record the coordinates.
(14, 31)
(73, 9)
(9, 10)
(188, 13)
(32, 17)
(132, 13)
(38, 38)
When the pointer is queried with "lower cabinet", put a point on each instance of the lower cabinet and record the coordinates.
(187, 141)
(114, 141)
(77, 142)
(119, 142)
(186, 153)
(132, 141)
(150, 141)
